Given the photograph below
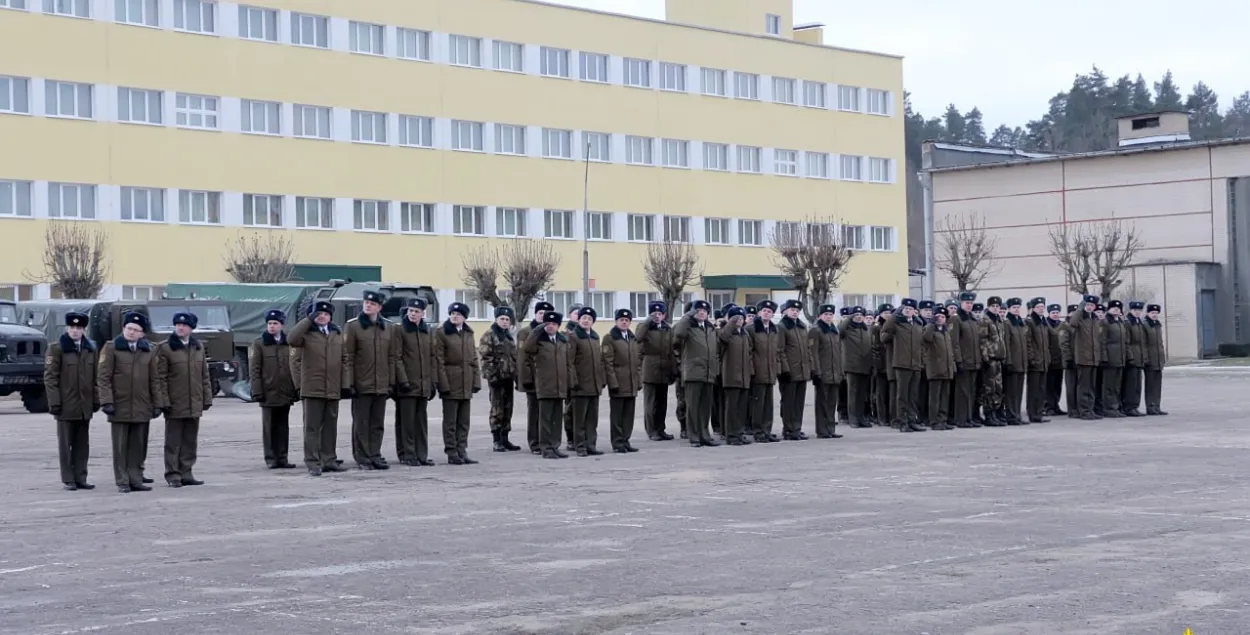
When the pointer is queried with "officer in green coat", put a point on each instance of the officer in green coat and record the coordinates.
(1156, 359)
(551, 376)
(736, 345)
(939, 363)
(766, 359)
(1054, 370)
(69, 380)
(531, 401)
(497, 354)
(695, 343)
(905, 332)
(825, 344)
(1038, 360)
(1131, 383)
(1085, 343)
(371, 377)
(1015, 362)
(269, 372)
(456, 365)
(1115, 347)
(856, 343)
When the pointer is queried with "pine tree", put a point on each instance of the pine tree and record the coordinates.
(974, 128)
(1142, 100)
(1007, 137)
(955, 125)
(1205, 120)
(1167, 95)
(1237, 121)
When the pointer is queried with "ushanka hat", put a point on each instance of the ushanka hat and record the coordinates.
(275, 315)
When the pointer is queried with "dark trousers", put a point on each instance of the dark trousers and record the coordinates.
(1069, 387)
(621, 420)
(275, 423)
(1036, 399)
(1130, 389)
(698, 410)
(680, 389)
(1099, 406)
(456, 426)
(965, 395)
(884, 392)
(73, 448)
(793, 396)
(128, 450)
(826, 409)
(585, 423)
(1086, 381)
(857, 397)
(1112, 376)
(762, 409)
(939, 401)
(568, 422)
(532, 409)
(654, 408)
(501, 400)
(922, 398)
(549, 413)
(843, 409)
(412, 428)
(321, 432)
(908, 393)
(1013, 393)
(368, 427)
(144, 432)
(1154, 389)
(182, 439)
(736, 407)
(718, 408)
(1054, 389)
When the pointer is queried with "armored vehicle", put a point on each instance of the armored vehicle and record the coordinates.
(22, 350)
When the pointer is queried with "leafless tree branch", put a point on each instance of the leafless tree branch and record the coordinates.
(670, 267)
(1095, 253)
(261, 257)
(814, 254)
(75, 259)
(967, 251)
(526, 266)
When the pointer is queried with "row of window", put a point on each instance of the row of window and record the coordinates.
(311, 30)
(80, 201)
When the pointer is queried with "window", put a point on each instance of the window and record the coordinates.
(598, 146)
(71, 200)
(368, 127)
(637, 73)
(638, 150)
(195, 111)
(13, 4)
(312, 121)
(855, 299)
(141, 203)
(139, 106)
(366, 38)
(748, 159)
(468, 220)
(879, 299)
(202, 208)
(673, 77)
(465, 51)
(786, 232)
(641, 228)
(716, 231)
(555, 62)
(746, 85)
(262, 210)
(311, 30)
(786, 162)
(879, 170)
(416, 218)
(466, 135)
(509, 139)
(817, 165)
(510, 221)
(15, 94)
(557, 223)
(882, 238)
(639, 302)
(477, 306)
(783, 90)
(848, 98)
(371, 215)
(73, 8)
(557, 144)
(133, 292)
(677, 229)
(750, 232)
(853, 236)
(416, 131)
(509, 56)
(256, 23)
(599, 225)
(850, 167)
(314, 212)
(561, 300)
(196, 16)
(878, 102)
(713, 82)
(68, 99)
(594, 67)
(814, 94)
(715, 156)
(676, 153)
(15, 198)
(822, 233)
(719, 298)
(261, 117)
(141, 12)
(15, 292)
(772, 24)
(411, 44)
(601, 302)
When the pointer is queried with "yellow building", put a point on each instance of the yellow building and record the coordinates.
(402, 133)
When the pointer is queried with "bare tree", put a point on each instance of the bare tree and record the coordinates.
(525, 266)
(261, 257)
(670, 267)
(75, 259)
(1095, 253)
(966, 251)
(813, 254)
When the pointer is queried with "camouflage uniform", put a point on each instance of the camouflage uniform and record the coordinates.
(993, 350)
(497, 351)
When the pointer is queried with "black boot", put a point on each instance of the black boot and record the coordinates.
(506, 443)
(498, 443)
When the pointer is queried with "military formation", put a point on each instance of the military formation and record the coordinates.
(920, 366)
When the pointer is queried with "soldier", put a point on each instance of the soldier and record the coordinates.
(925, 311)
(1015, 363)
(414, 379)
(694, 340)
(127, 385)
(569, 328)
(319, 369)
(766, 366)
(939, 362)
(370, 377)
(736, 370)
(1084, 343)
(498, 354)
(993, 352)
(456, 364)
(884, 388)
(1054, 370)
(905, 334)
(1156, 358)
(1115, 345)
(622, 362)
(591, 378)
(269, 372)
(978, 311)
(825, 350)
(659, 369)
(856, 352)
(523, 366)
(844, 314)
(679, 388)
(965, 338)
(796, 370)
(1130, 388)
(1037, 360)
(1069, 364)
(549, 357)
(718, 392)
(69, 380)
(184, 392)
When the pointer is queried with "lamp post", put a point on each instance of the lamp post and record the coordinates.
(586, 222)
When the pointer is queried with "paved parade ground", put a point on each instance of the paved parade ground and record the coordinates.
(1130, 526)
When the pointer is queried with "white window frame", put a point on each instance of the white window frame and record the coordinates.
(673, 77)
(637, 72)
(879, 102)
(268, 205)
(785, 162)
(750, 232)
(137, 12)
(423, 127)
(714, 82)
(366, 38)
(371, 215)
(416, 218)
(597, 146)
(639, 150)
(474, 214)
(719, 298)
(463, 50)
(15, 199)
(312, 122)
(508, 56)
(478, 309)
(141, 292)
(815, 94)
(784, 91)
(195, 16)
(746, 86)
(772, 24)
(82, 196)
(306, 207)
(715, 156)
(16, 5)
(640, 301)
(142, 205)
(139, 105)
(850, 167)
(675, 153)
(557, 224)
(14, 95)
(467, 136)
(81, 95)
(557, 143)
(817, 165)
(593, 67)
(412, 44)
(271, 117)
(510, 139)
(311, 30)
(268, 23)
(510, 222)
(854, 237)
(641, 228)
(880, 170)
(205, 205)
(716, 231)
(882, 238)
(848, 98)
(68, 8)
(561, 300)
(369, 127)
(201, 112)
(556, 62)
(599, 226)
(602, 302)
(750, 159)
(676, 229)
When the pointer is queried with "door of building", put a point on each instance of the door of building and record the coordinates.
(1208, 342)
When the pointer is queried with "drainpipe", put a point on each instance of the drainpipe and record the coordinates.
(926, 182)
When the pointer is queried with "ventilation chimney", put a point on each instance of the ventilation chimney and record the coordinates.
(1170, 126)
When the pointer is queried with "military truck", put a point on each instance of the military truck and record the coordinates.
(22, 350)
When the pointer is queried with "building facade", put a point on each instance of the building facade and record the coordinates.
(404, 133)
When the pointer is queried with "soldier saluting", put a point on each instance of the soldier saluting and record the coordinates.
(319, 369)
(184, 392)
(796, 370)
(622, 361)
(659, 369)
(127, 384)
(523, 368)
(269, 371)
(69, 379)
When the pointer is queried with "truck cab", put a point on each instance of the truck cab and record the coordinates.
(346, 297)
(22, 351)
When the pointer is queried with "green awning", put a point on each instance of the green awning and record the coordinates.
(746, 281)
(325, 273)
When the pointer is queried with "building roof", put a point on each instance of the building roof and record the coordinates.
(771, 38)
(1076, 156)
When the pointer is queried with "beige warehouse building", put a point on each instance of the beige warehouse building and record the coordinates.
(1189, 202)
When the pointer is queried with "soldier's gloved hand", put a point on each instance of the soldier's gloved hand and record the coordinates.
(95, 407)
(527, 387)
(297, 395)
(347, 393)
(207, 405)
(108, 409)
(165, 411)
(55, 410)
(260, 399)
(815, 379)
(156, 412)
(784, 376)
(405, 388)
(477, 388)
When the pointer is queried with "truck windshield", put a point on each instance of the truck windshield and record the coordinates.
(213, 317)
(8, 314)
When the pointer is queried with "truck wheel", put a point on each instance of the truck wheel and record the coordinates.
(35, 400)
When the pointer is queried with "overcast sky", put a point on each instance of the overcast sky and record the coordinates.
(1010, 62)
